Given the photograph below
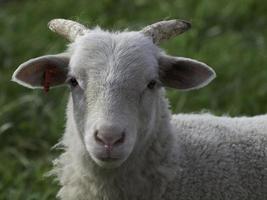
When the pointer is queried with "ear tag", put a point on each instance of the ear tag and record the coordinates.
(47, 79)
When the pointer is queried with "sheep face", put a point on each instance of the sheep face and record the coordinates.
(114, 87)
(115, 81)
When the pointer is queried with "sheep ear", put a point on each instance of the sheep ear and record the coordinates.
(42, 72)
(184, 73)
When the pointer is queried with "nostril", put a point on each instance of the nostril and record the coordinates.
(98, 139)
(120, 140)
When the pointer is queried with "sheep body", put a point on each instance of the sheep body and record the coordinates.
(193, 156)
(223, 157)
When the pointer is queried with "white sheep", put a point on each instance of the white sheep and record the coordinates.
(121, 142)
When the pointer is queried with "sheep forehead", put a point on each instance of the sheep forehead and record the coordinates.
(119, 56)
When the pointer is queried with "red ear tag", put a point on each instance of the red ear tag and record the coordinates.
(47, 79)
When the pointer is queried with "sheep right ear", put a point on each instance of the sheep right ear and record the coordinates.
(43, 72)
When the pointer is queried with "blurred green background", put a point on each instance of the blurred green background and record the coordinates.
(228, 35)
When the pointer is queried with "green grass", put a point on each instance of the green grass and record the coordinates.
(228, 35)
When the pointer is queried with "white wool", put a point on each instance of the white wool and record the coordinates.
(204, 157)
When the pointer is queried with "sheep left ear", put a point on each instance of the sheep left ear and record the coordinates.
(184, 73)
(43, 72)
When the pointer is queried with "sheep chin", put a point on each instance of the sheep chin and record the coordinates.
(108, 163)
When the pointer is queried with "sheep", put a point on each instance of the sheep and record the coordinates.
(121, 140)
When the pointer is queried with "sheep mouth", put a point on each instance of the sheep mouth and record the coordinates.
(109, 159)
(108, 162)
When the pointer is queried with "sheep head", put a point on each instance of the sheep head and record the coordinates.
(116, 83)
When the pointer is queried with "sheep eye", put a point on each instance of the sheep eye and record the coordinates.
(73, 82)
(151, 85)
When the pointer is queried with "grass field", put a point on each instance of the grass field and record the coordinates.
(230, 36)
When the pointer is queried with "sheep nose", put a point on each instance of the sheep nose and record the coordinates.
(109, 136)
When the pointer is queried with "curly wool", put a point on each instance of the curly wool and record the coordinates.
(206, 157)
(224, 158)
